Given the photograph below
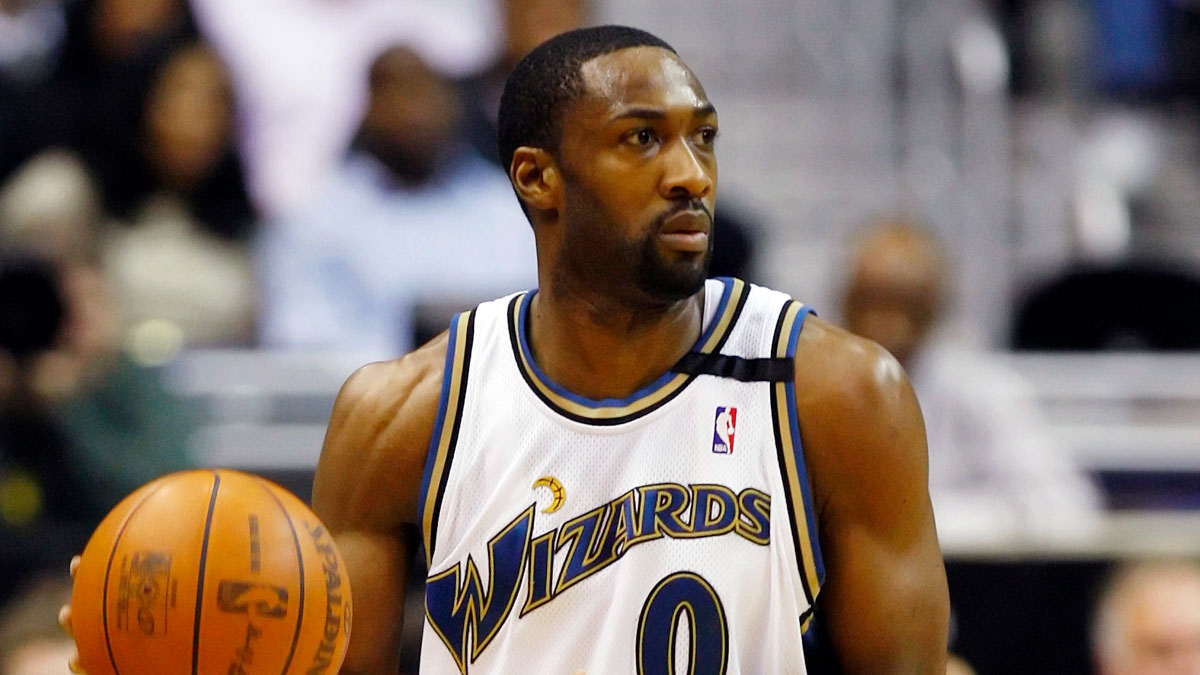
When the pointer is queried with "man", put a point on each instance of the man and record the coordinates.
(410, 191)
(994, 467)
(1147, 620)
(567, 436)
(297, 68)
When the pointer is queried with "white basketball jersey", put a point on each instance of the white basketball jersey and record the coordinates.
(670, 531)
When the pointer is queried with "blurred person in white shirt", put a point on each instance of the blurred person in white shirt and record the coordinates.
(299, 74)
(411, 220)
(994, 468)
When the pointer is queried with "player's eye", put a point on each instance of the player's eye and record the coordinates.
(641, 137)
(706, 136)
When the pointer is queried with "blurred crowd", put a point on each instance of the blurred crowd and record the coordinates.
(172, 177)
(319, 175)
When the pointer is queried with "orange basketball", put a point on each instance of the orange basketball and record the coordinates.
(211, 572)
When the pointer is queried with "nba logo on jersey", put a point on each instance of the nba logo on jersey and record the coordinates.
(723, 430)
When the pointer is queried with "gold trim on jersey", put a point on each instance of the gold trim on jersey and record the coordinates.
(444, 434)
(615, 411)
(791, 459)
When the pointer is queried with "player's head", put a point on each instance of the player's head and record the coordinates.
(608, 137)
(895, 286)
(1147, 620)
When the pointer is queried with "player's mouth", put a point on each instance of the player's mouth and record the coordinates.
(686, 231)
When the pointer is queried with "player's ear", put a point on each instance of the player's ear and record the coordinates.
(536, 178)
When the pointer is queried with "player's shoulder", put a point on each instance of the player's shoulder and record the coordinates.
(829, 359)
(411, 384)
(394, 401)
(856, 408)
(833, 362)
(379, 431)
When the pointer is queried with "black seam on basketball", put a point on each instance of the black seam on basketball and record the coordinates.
(468, 339)
(212, 504)
(108, 569)
(299, 566)
(782, 463)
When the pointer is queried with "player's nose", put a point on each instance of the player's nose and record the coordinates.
(686, 174)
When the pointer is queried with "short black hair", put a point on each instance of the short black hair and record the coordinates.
(548, 79)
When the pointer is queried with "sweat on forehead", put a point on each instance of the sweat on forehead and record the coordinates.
(629, 74)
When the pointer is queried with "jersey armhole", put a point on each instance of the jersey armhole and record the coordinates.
(802, 518)
(445, 428)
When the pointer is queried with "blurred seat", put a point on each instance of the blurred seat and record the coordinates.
(1127, 307)
(263, 412)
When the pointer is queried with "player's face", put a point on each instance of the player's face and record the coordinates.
(639, 176)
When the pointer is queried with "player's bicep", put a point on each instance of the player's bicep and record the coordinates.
(885, 606)
(364, 491)
(885, 600)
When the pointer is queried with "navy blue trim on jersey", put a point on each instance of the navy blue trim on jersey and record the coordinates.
(797, 494)
(794, 419)
(611, 411)
(445, 427)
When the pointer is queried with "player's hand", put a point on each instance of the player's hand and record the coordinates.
(64, 621)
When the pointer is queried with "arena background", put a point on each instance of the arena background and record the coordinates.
(1040, 140)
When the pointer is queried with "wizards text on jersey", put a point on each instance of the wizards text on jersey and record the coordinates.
(456, 602)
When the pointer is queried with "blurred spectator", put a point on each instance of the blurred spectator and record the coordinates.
(114, 51)
(992, 465)
(33, 36)
(74, 73)
(299, 71)
(412, 219)
(180, 257)
(31, 643)
(1147, 620)
(103, 422)
(185, 144)
(1109, 294)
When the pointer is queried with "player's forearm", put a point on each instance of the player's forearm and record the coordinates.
(386, 667)
(911, 640)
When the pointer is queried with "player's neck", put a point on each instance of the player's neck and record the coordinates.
(598, 348)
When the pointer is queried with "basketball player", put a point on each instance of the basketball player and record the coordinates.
(633, 466)
(589, 462)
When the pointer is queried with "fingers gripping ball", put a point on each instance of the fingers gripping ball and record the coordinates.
(211, 572)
